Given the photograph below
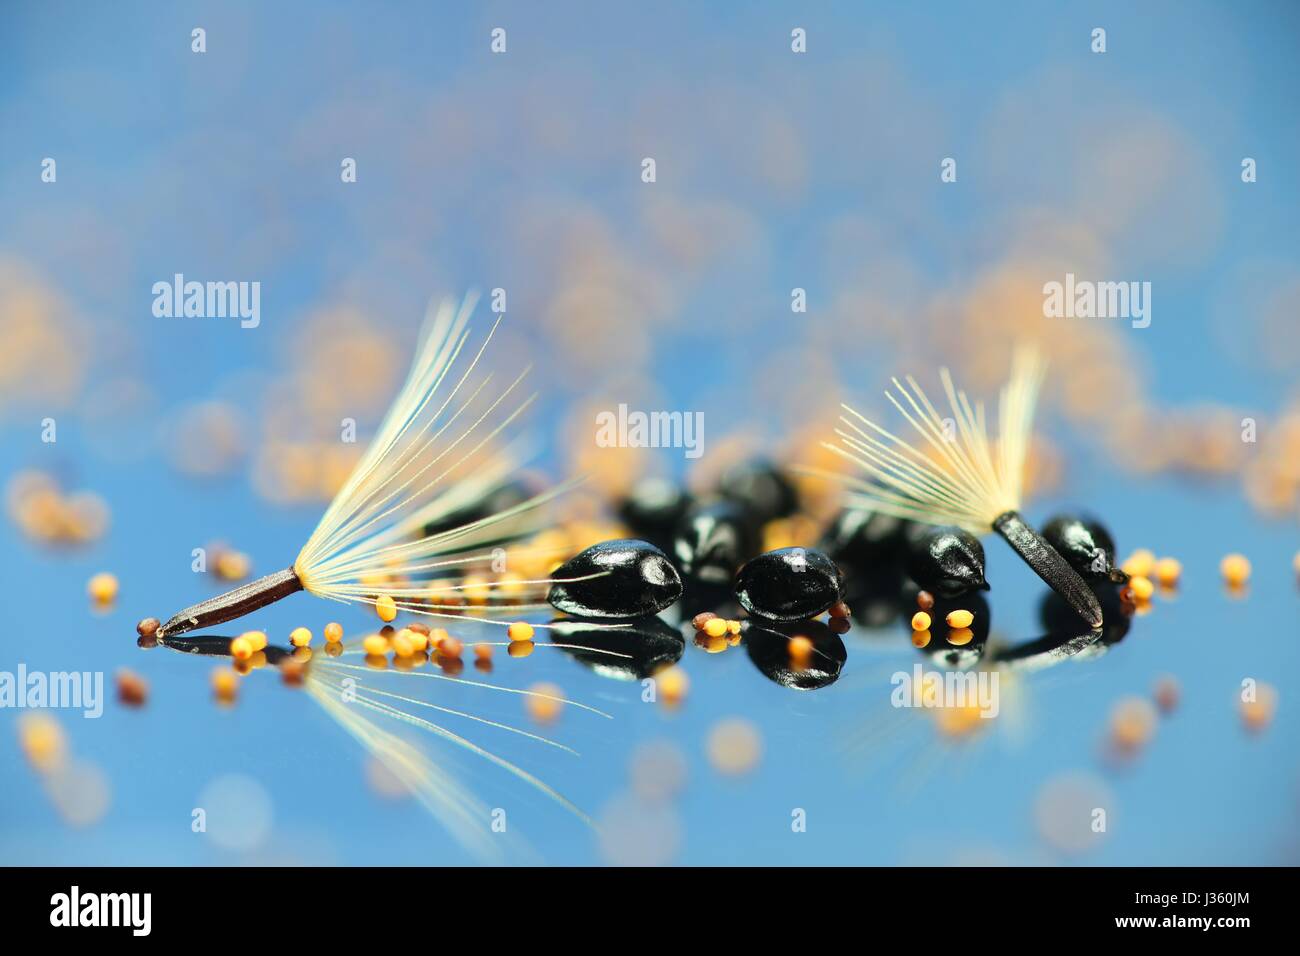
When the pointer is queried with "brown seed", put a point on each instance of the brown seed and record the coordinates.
(293, 673)
(925, 600)
(699, 620)
(419, 628)
(148, 627)
(333, 632)
(840, 610)
(132, 689)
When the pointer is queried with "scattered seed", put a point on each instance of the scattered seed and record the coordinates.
(451, 648)
(103, 588)
(520, 631)
(920, 638)
(801, 649)
(293, 673)
(1139, 563)
(924, 600)
(1235, 569)
(1141, 587)
(545, 709)
(333, 632)
(701, 619)
(840, 610)
(920, 621)
(375, 645)
(386, 608)
(42, 740)
(1132, 723)
(300, 637)
(960, 636)
(715, 627)
(224, 684)
(403, 646)
(734, 746)
(419, 628)
(1168, 571)
(1167, 693)
(148, 627)
(733, 628)
(672, 684)
(132, 689)
(959, 618)
(520, 648)
(241, 648)
(1258, 713)
(483, 652)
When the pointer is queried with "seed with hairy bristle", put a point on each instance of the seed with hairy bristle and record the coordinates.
(520, 648)
(375, 645)
(701, 619)
(959, 618)
(300, 637)
(920, 621)
(386, 608)
(520, 631)
(132, 689)
(1141, 587)
(148, 627)
(103, 588)
(1168, 571)
(715, 627)
(333, 632)
(1235, 569)
(224, 684)
(1139, 564)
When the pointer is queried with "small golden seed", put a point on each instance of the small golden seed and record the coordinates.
(920, 621)
(520, 648)
(715, 627)
(1168, 571)
(241, 649)
(386, 608)
(1142, 588)
(103, 588)
(959, 618)
(375, 645)
(333, 632)
(1235, 569)
(520, 631)
(300, 637)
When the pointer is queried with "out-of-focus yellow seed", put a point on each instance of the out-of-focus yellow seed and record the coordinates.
(1132, 723)
(733, 627)
(520, 648)
(42, 740)
(300, 637)
(1235, 569)
(375, 645)
(1257, 712)
(333, 632)
(1139, 563)
(959, 618)
(960, 636)
(483, 652)
(232, 565)
(520, 631)
(132, 689)
(711, 645)
(1168, 571)
(801, 649)
(386, 608)
(418, 639)
(257, 639)
(224, 684)
(403, 646)
(672, 684)
(102, 588)
(1167, 694)
(920, 638)
(920, 621)
(715, 627)
(1142, 588)
(451, 648)
(241, 648)
(437, 636)
(476, 589)
(544, 709)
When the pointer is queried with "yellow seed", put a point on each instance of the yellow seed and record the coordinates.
(232, 565)
(333, 632)
(920, 638)
(224, 684)
(920, 621)
(1257, 713)
(476, 589)
(959, 618)
(42, 740)
(1139, 563)
(520, 648)
(403, 646)
(672, 684)
(300, 637)
(256, 639)
(711, 645)
(418, 640)
(960, 636)
(103, 588)
(1235, 569)
(386, 608)
(1168, 571)
(545, 708)
(241, 648)
(715, 627)
(1132, 723)
(375, 645)
(801, 649)
(1142, 588)
(437, 636)
(733, 627)
(520, 631)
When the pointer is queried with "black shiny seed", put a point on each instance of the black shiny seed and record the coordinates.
(714, 539)
(631, 652)
(789, 584)
(946, 561)
(1084, 543)
(623, 578)
(762, 488)
(768, 645)
(653, 509)
(499, 499)
(865, 539)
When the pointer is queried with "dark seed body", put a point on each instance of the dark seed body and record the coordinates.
(946, 561)
(713, 540)
(653, 509)
(768, 646)
(865, 539)
(1084, 543)
(789, 584)
(622, 578)
(760, 487)
(634, 652)
(499, 499)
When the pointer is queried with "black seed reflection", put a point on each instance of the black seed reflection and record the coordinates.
(649, 644)
(768, 646)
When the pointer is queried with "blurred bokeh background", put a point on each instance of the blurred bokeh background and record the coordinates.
(774, 171)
